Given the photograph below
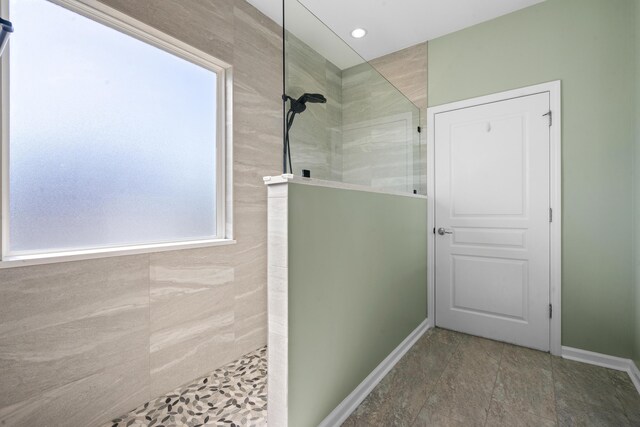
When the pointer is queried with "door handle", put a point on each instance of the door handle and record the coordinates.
(442, 231)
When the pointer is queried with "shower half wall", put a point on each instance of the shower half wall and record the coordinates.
(347, 292)
(347, 248)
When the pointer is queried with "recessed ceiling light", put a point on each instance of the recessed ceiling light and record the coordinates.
(358, 33)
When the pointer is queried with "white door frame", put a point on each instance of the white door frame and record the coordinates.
(555, 183)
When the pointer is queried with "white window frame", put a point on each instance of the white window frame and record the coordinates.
(119, 21)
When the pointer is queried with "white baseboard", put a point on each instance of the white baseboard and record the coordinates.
(598, 359)
(340, 414)
(605, 361)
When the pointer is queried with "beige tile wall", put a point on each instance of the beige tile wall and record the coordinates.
(376, 154)
(355, 95)
(82, 342)
(406, 69)
(316, 135)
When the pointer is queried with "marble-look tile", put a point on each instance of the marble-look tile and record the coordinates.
(88, 401)
(257, 151)
(205, 25)
(627, 395)
(305, 67)
(257, 147)
(278, 380)
(278, 254)
(192, 318)
(278, 300)
(67, 333)
(250, 301)
(487, 383)
(334, 119)
(416, 376)
(406, 69)
(251, 331)
(444, 336)
(398, 399)
(257, 40)
(324, 139)
(461, 401)
(316, 134)
(464, 391)
(356, 93)
(520, 356)
(309, 136)
(139, 9)
(89, 321)
(480, 351)
(577, 413)
(525, 382)
(426, 419)
(586, 383)
(376, 409)
(379, 132)
(501, 415)
(350, 422)
(257, 137)
(278, 304)
(257, 105)
(431, 353)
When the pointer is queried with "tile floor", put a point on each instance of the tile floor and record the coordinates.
(453, 379)
(234, 395)
(446, 379)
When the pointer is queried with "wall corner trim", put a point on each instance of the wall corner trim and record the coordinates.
(340, 414)
(605, 361)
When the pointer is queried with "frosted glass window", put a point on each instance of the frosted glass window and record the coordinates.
(112, 140)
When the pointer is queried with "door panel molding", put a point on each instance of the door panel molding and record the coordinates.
(555, 194)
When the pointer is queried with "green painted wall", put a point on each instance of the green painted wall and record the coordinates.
(589, 45)
(636, 352)
(357, 288)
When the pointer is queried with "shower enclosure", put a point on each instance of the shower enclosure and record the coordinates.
(347, 248)
(367, 132)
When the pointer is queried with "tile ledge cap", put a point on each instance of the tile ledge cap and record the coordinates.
(290, 178)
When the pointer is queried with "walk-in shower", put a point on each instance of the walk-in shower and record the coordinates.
(365, 131)
(347, 224)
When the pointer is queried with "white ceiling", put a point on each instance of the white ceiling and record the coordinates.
(391, 24)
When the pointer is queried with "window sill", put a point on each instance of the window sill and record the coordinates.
(56, 257)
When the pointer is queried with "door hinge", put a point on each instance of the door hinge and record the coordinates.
(550, 311)
(550, 114)
(419, 129)
(550, 214)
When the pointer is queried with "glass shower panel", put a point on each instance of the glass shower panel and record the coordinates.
(367, 131)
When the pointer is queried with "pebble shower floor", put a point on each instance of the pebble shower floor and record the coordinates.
(232, 396)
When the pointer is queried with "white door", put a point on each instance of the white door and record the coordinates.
(492, 220)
